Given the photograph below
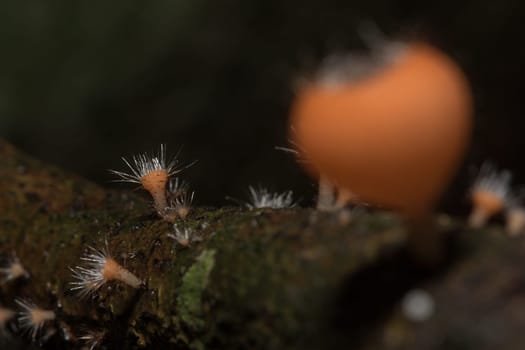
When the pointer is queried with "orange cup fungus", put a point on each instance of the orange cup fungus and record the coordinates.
(394, 137)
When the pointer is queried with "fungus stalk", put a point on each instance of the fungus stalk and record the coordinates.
(344, 197)
(155, 183)
(325, 197)
(515, 220)
(331, 197)
(113, 271)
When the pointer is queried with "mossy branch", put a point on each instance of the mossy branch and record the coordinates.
(292, 278)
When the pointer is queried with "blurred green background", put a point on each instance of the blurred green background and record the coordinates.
(83, 83)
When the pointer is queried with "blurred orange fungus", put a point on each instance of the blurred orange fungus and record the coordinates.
(394, 137)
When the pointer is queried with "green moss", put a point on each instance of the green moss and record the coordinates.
(193, 284)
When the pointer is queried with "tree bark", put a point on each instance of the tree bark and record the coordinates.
(258, 279)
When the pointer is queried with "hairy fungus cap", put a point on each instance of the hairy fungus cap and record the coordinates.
(14, 270)
(490, 193)
(180, 200)
(393, 137)
(152, 172)
(32, 318)
(486, 205)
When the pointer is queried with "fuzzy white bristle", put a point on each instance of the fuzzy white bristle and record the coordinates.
(100, 268)
(184, 201)
(33, 318)
(13, 270)
(490, 193)
(143, 164)
(180, 200)
(295, 149)
(92, 339)
(177, 188)
(491, 180)
(262, 198)
(184, 236)
(90, 278)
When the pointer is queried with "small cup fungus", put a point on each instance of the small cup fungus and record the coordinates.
(153, 174)
(392, 136)
(33, 318)
(490, 194)
(99, 269)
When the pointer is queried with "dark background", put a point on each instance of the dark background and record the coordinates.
(83, 83)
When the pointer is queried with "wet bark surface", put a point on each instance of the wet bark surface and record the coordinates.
(257, 279)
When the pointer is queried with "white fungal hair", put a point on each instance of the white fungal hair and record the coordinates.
(33, 318)
(180, 200)
(183, 201)
(262, 198)
(90, 278)
(100, 268)
(177, 187)
(13, 269)
(338, 69)
(349, 67)
(294, 149)
(184, 236)
(491, 180)
(92, 338)
(143, 164)
(179, 194)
